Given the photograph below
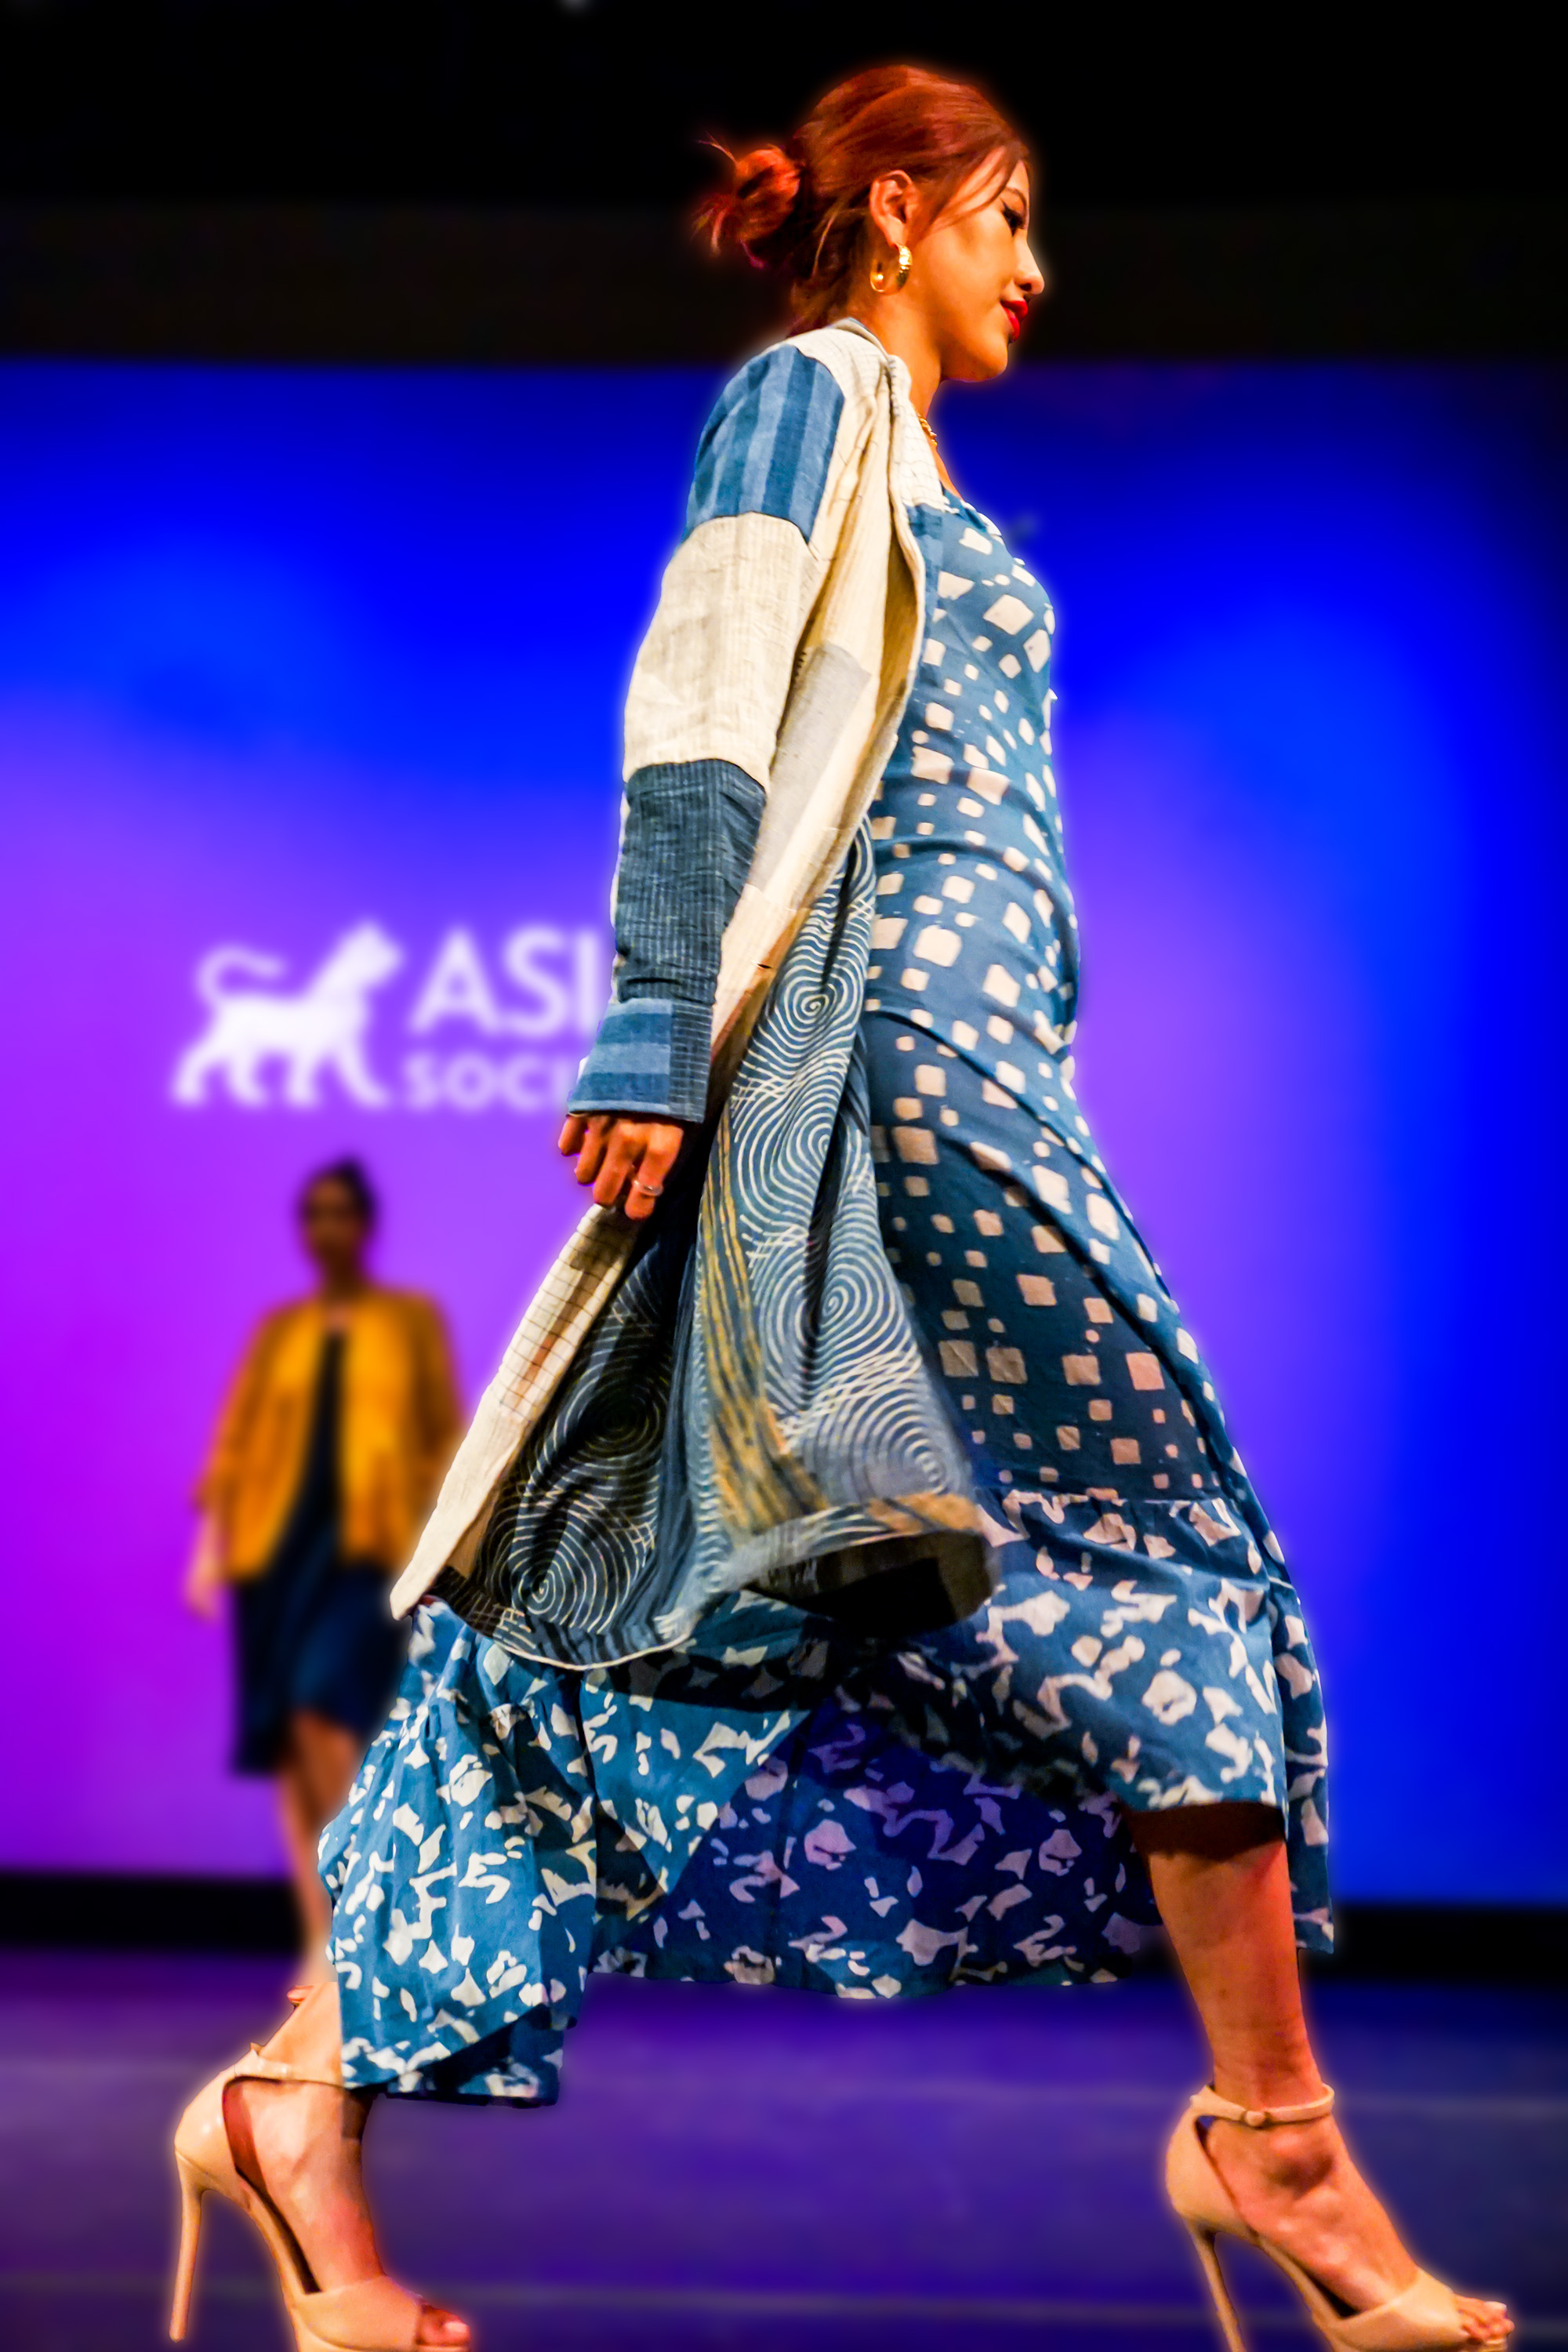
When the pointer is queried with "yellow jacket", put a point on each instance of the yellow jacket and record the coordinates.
(399, 1422)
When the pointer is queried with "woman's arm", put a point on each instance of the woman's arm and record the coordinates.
(204, 1575)
(625, 1160)
(707, 699)
(208, 1567)
(434, 1388)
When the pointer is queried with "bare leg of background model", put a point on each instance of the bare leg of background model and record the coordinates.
(318, 1769)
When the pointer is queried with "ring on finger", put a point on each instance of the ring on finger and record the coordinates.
(653, 1191)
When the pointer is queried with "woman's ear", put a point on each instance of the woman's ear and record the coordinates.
(892, 206)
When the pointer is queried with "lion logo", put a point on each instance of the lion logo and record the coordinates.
(320, 1027)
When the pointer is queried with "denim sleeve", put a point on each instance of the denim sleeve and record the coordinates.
(768, 445)
(690, 830)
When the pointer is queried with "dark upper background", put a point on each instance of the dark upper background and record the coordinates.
(502, 178)
(537, 103)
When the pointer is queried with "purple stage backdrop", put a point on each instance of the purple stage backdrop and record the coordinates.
(310, 689)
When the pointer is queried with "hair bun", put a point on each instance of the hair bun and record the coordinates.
(800, 205)
(750, 215)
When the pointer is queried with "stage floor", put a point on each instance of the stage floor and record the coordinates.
(770, 2171)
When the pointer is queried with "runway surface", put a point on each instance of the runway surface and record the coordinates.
(771, 2172)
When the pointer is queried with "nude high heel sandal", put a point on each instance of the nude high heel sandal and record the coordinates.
(375, 2316)
(1424, 2318)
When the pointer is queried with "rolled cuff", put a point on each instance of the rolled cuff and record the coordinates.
(650, 1060)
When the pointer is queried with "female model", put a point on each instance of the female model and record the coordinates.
(847, 1580)
(338, 1423)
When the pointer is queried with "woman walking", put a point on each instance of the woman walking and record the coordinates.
(337, 1426)
(847, 1580)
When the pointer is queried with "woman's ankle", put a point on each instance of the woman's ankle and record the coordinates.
(298, 2144)
(309, 2038)
(1291, 2160)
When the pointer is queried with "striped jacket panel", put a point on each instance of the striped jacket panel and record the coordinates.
(775, 467)
(767, 447)
(759, 489)
(686, 850)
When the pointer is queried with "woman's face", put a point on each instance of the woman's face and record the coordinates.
(332, 1229)
(974, 276)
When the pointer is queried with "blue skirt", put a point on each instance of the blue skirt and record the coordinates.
(783, 1799)
(313, 1635)
(779, 1800)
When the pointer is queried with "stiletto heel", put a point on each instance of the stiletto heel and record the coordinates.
(1423, 2318)
(372, 2316)
(1225, 2310)
(191, 2195)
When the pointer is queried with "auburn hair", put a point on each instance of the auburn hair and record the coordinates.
(798, 206)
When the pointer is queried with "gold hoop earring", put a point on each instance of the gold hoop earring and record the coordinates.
(881, 282)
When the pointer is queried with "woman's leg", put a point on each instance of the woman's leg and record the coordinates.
(1220, 1880)
(301, 2142)
(331, 1757)
(301, 1826)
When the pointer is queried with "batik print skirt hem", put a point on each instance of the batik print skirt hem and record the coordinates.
(779, 1801)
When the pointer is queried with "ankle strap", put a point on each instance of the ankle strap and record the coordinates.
(1209, 2104)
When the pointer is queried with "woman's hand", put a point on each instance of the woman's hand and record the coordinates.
(204, 1579)
(625, 1160)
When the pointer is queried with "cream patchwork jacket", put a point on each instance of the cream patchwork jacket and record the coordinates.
(776, 671)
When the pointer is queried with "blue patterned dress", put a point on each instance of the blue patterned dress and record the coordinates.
(788, 1798)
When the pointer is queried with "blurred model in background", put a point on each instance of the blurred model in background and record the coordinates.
(330, 1445)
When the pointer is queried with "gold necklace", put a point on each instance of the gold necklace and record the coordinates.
(942, 474)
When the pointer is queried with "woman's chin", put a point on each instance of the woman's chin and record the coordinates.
(983, 361)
